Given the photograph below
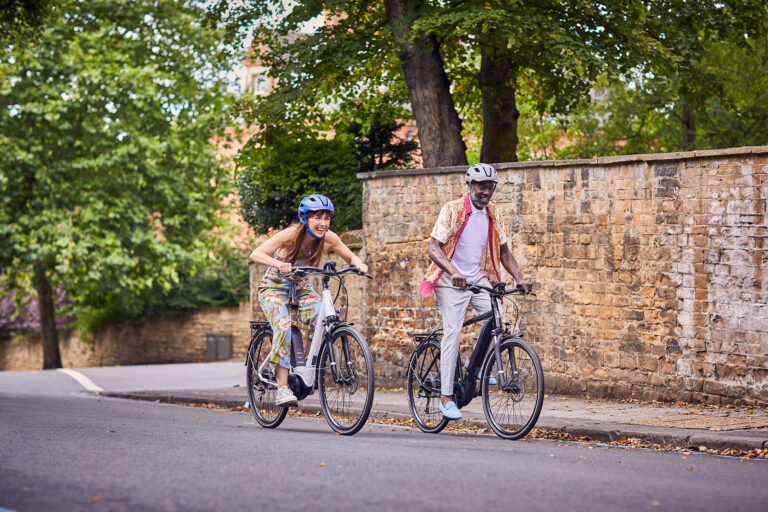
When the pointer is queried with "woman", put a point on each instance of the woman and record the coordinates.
(299, 244)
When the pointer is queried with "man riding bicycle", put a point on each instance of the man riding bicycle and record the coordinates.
(467, 245)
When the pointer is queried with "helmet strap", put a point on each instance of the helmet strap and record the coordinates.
(312, 234)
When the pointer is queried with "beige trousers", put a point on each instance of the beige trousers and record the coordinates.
(453, 303)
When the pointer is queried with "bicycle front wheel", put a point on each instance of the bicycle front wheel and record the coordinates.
(262, 394)
(513, 409)
(346, 390)
(423, 384)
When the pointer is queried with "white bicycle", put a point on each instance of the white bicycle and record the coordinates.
(339, 363)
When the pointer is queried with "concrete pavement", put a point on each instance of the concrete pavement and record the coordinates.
(716, 428)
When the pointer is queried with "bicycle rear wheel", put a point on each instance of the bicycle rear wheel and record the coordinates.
(346, 397)
(261, 394)
(513, 410)
(423, 384)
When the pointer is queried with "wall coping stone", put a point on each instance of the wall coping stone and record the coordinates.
(532, 164)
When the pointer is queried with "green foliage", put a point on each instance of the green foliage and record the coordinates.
(641, 113)
(223, 282)
(738, 114)
(592, 78)
(107, 167)
(21, 18)
(374, 127)
(280, 167)
(564, 45)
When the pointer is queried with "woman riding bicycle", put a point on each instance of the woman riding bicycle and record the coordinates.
(301, 243)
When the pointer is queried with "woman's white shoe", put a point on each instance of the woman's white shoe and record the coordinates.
(285, 396)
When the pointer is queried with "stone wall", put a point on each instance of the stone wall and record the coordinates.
(650, 270)
(168, 338)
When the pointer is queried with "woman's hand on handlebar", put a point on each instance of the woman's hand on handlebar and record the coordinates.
(363, 268)
(284, 267)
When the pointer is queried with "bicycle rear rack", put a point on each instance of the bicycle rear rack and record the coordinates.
(422, 337)
(258, 324)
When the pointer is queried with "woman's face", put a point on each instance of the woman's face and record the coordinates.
(319, 222)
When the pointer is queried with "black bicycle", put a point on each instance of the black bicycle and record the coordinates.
(509, 370)
(339, 363)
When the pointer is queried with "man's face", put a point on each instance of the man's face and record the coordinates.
(480, 193)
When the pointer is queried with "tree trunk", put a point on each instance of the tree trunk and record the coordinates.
(688, 125)
(48, 333)
(498, 85)
(429, 89)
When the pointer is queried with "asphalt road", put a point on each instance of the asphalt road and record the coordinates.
(62, 449)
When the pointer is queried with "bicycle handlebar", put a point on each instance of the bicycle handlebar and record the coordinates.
(328, 270)
(498, 290)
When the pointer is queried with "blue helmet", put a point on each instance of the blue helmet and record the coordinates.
(312, 203)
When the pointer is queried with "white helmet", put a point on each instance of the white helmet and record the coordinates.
(482, 172)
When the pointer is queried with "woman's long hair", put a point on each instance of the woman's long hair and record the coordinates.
(313, 259)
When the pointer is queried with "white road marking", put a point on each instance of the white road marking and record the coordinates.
(81, 379)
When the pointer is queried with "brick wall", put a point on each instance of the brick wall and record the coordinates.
(650, 270)
(168, 338)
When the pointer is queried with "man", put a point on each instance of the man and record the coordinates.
(466, 245)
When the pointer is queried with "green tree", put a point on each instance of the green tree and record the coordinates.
(107, 169)
(440, 58)
(359, 55)
(686, 32)
(279, 167)
(282, 164)
(715, 99)
(555, 49)
(738, 114)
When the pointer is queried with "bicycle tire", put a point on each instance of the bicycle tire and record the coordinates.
(512, 412)
(423, 385)
(261, 395)
(346, 403)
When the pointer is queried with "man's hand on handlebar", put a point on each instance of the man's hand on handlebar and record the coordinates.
(458, 280)
(525, 285)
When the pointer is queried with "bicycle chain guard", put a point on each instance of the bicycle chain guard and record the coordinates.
(463, 392)
(298, 387)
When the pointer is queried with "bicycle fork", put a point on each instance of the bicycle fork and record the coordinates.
(499, 365)
(334, 364)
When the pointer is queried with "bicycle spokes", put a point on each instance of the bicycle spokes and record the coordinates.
(423, 381)
(262, 388)
(513, 404)
(345, 381)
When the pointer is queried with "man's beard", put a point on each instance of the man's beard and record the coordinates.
(477, 202)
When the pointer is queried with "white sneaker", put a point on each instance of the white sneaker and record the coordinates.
(285, 396)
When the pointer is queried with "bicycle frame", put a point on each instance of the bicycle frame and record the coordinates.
(492, 332)
(327, 320)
